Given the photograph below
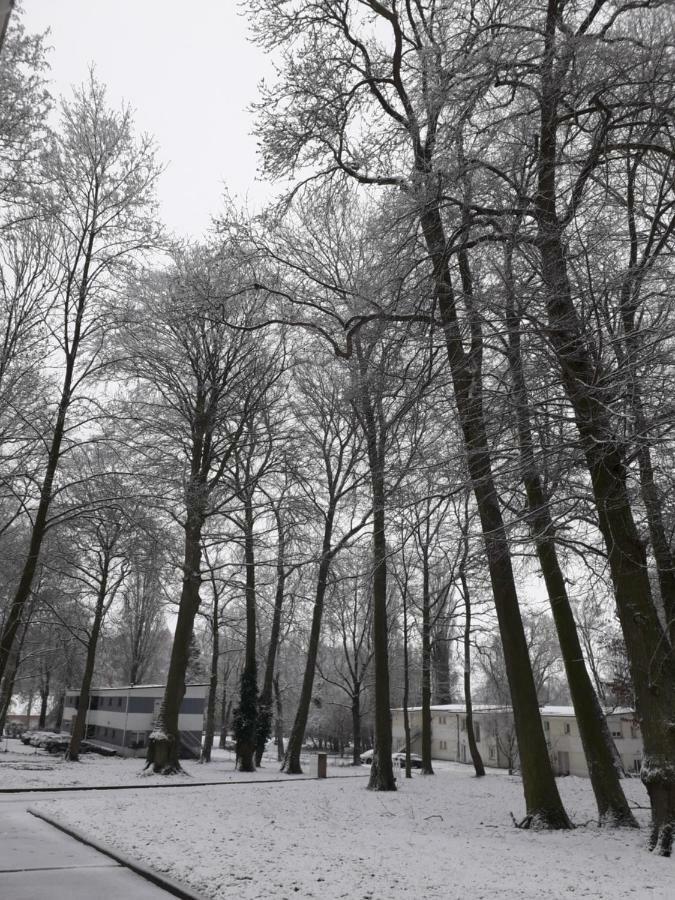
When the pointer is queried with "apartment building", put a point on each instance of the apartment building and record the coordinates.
(496, 738)
(123, 717)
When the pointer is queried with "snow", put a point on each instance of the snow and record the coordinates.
(444, 836)
(27, 767)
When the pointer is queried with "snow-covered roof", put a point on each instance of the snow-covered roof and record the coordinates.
(543, 710)
(133, 687)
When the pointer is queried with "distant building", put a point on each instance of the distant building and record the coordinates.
(123, 717)
(495, 735)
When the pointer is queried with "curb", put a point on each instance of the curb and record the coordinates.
(162, 881)
(183, 784)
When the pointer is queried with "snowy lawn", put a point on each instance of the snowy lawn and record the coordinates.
(448, 836)
(26, 767)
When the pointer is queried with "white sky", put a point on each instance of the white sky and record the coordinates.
(187, 69)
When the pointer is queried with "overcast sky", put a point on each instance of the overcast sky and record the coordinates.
(190, 73)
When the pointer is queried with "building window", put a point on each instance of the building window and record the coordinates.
(476, 730)
(119, 702)
(442, 720)
(492, 753)
(568, 729)
(633, 731)
(616, 731)
(462, 724)
(443, 745)
(547, 725)
(637, 765)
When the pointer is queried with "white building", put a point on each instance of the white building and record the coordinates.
(123, 717)
(496, 738)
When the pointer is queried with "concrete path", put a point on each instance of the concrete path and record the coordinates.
(38, 862)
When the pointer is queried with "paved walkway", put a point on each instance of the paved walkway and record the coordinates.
(38, 862)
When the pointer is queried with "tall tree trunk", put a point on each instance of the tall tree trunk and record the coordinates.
(542, 800)
(246, 714)
(650, 655)
(278, 720)
(427, 768)
(210, 719)
(597, 742)
(9, 680)
(266, 697)
(225, 710)
(356, 723)
(406, 686)
(44, 699)
(630, 359)
(164, 743)
(39, 527)
(291, 764)
(77, 734)
(381, 771)
(476, 758)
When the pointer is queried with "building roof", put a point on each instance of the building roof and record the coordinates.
(543, 710)
(134, 687)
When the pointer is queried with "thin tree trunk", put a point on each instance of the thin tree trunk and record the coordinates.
(266, 697)
(78, 733)
(210, 719)
(246, 714)
(406, 686)
(39, 528)
(356, 724)
(44, 699)
(476, 758)
(650, 655)
(427, 768)
(164, 743)
(542, 800)
(225, 710)
(278, 720)
(291, 764)
(10, 674)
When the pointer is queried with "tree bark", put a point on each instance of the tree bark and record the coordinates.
(543, 804)
(246, 714)
(44, 699)
(597, 742)
(266, 696)
(476, 758)
(381, 771)
(210, 719)
(427, 768)
(164, 743)
(9, 680)
(406, 686)
(78, 731)
(278, 720)
(650, 655)
(291, 764)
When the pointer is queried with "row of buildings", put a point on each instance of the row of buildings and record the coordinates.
(495, 735)
(123, 717)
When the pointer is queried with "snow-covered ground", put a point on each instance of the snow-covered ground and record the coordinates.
(26, 767)
(448, 836)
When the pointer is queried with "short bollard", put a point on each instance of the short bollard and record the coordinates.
(321, 765)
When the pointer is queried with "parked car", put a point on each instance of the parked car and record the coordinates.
(397, 758)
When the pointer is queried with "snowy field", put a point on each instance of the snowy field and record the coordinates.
(448, 836)
(26, 767)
